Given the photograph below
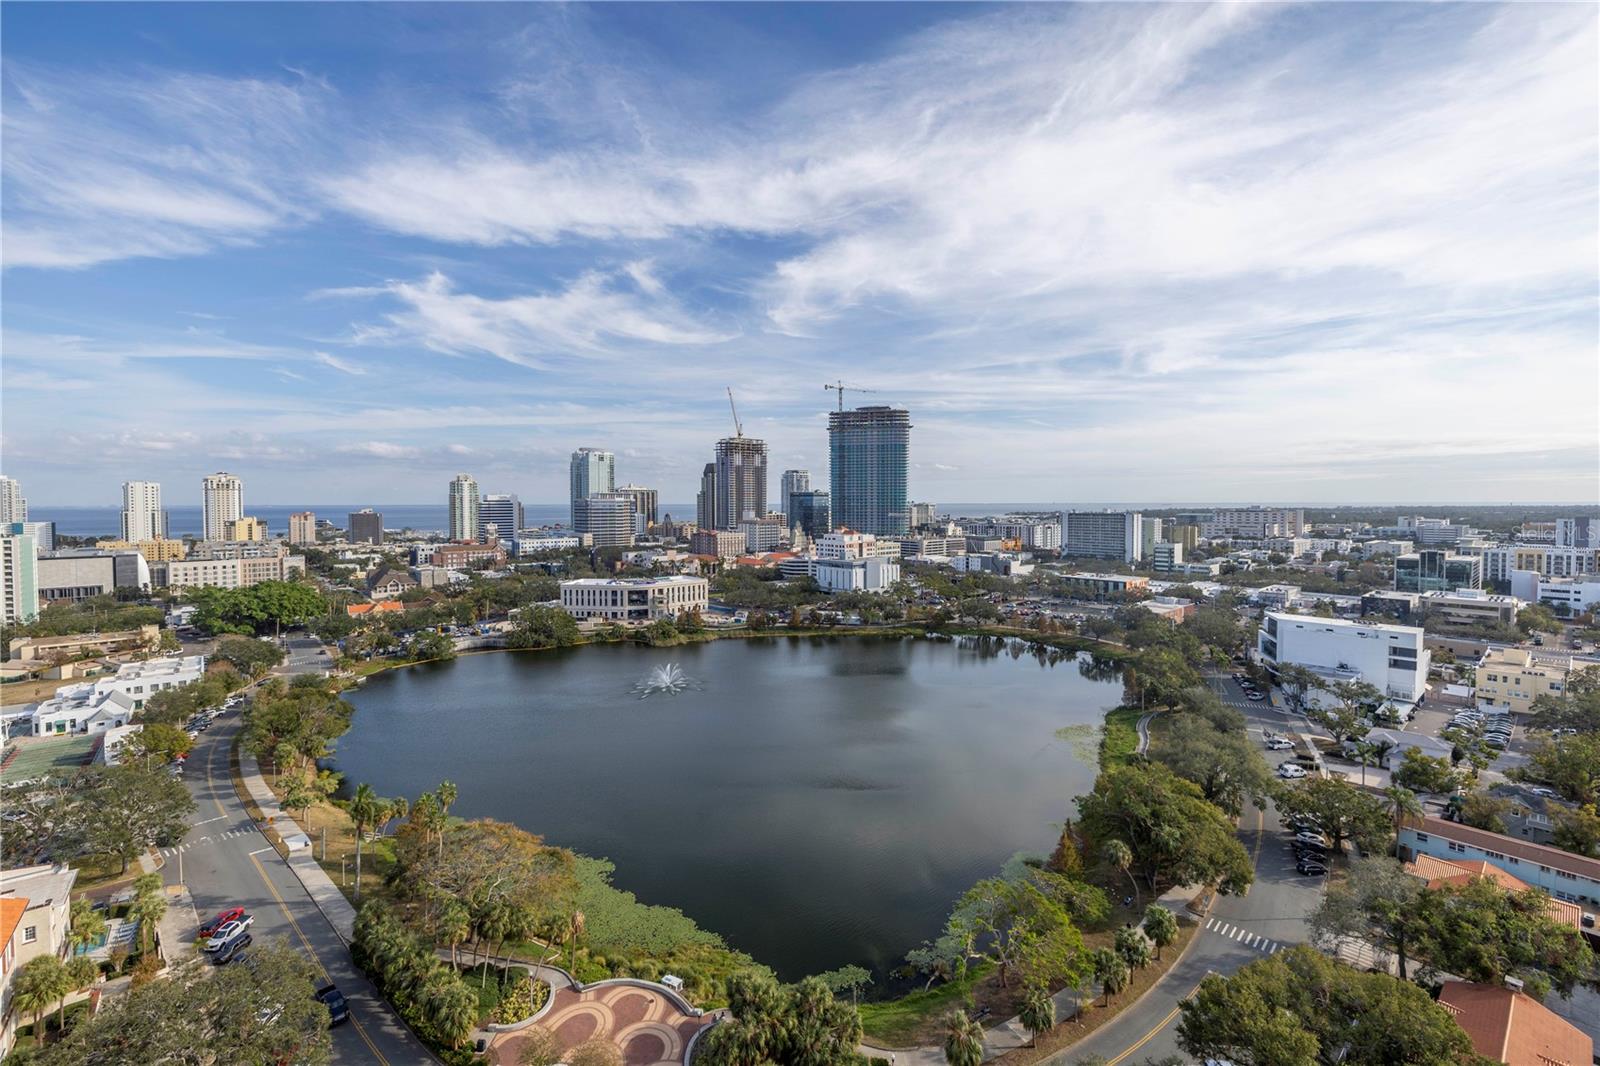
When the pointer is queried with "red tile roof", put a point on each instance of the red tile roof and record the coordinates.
(1554, 858)
(12, 908)
(1512, 1028)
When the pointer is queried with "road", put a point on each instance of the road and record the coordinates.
(1239, 929)
(227, 862)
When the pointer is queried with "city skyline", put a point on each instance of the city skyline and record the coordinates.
(1199, 253)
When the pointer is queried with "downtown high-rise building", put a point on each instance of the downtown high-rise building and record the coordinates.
(793, 481)
(1115, 535)
(142, 516)
(644, 505)
(13, 507)
(19, 575)
(811, 512)
(463, 508)
(503, 511)
(869, 455)
(741, 489)
(222, 502)
(591, 470)
(605, 516)
(366, 527)
(303, 528)
(705, 501)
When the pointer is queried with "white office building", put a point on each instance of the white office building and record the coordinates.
(634, 600)
(607, 517)
(13, 508)
(463, 508)
(1256, 523)
(534, 543)
(1392, 658)
(503, 511)
(142, 516)
(1104, 535)
(222, 501)
(112, 701)
(875, 574)
(1166, 558)
(1577, 532)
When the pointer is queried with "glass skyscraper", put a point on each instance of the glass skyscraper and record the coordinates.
(868, 455)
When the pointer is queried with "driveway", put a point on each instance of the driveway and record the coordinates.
(227, 862)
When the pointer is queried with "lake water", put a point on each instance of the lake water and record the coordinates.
(816, 801)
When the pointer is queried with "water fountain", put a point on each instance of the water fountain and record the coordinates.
(668, 679)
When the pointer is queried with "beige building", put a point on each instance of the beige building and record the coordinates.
(1512, 678)
(46, 649)
(245, 529)
(1470, 607)
(635, 600)
(34, 905)
(303, 528)
(1104, 586)
(227, 573)
(160, 550)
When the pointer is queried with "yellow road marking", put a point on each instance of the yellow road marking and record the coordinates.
(1151, 1035)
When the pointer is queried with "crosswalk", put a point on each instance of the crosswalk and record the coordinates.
(190, 845)
(1245, 937)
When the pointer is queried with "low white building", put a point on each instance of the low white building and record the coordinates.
(1391, 658)
(876, 574)
(535, 543)
(634, 599)
(112, 701)
(1566, 596)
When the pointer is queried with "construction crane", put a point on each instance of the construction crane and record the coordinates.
(840, 387)
(738, 430)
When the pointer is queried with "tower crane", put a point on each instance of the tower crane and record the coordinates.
(738, 430)
(840, 387)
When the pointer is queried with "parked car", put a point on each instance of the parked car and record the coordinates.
(1255, 697)
(1289, 771)
(1280, 744)
(1311, 869)
(222, 918)
(232, 950)
(227, 931)
(338, 1010)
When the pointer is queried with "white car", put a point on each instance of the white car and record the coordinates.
(1280, 744)
(1289, 771)
(229, 931)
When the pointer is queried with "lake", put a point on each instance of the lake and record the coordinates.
(816, 801)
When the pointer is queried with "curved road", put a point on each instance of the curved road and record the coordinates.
(227, 862)
(1239, 929)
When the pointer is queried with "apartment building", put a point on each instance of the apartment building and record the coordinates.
(35, 905)
(1546, 560)
(1103, 535)
(112, 701)
(721, 543)
(19, 577)
(242, 571)
(1565, 875)
(1512, 678)
(636, 600)
(1256, 523)
(303, 528)
(160, 550)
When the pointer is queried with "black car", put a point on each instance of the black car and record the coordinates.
(1311, 869)
(233, 950)
(338, 1010)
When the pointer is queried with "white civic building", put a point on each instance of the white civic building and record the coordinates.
(112, 701)
(634, 599)
(1391, 658)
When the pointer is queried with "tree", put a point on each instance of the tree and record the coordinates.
(80, 972)
(149, 905)
(450, 1007)
(1576, 830)
(366, 809)
(159, 740)
(132, 806)
(1111, 970)
(1176, 836)
(1038, 1013)
(1376, 904)
(1537, 618)
(1344, 811)
(544, 627)
(1484, 810)
(851, 979)
(785, 1025)
(38, 983)
(430, 645)
(263, 1013)
(1403, 805)
(1481, 932)
(86, 926)
(539, 1047)
(1118, 854)
(1066, 860)
(1206, 743)
(1022, 925)
(1420, 772)
(1301, 1008)
(963, 1040)
(1132, 945)
(1576, 707)
(1343, 721)
(1297, 684)
(595, 1052)
(1161, 926)
(1571, 766)
(249, 656)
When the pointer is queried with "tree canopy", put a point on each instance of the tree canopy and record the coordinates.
(264, 607)
(784, 1025)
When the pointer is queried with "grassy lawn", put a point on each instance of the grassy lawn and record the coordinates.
(1121, 736)
(913, 1019)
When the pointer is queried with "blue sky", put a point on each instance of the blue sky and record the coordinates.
(1102, 252)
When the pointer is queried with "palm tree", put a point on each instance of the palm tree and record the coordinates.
(1365, 754)
(85, 925)
(78, 974)
(366, 810)
(1402, 804)
(36, 987)
(1132, 945)
(1038, 1014)
(447, 795)
(1382, 749)
(299, 796)
(1118, 854)
(451, 1006)
(576, 926)
(963, 1040)
(454, 924)
(1110, 970)
(149, 905)
(398, 808)
(1161, 926)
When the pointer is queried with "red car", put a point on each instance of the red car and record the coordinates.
(233, 914)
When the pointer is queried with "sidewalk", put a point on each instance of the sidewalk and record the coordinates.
(318, 885)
